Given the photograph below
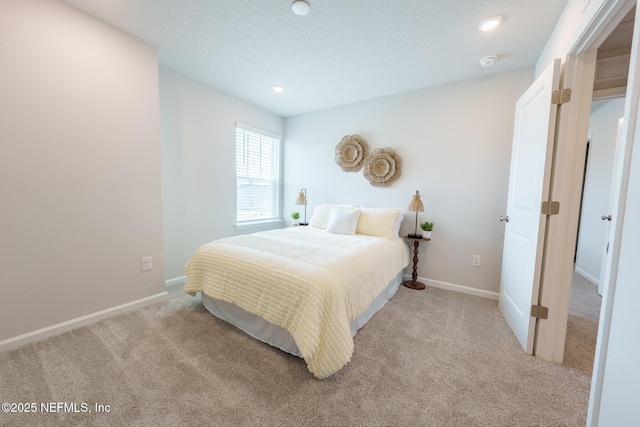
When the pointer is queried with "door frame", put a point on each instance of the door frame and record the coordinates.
(572, 128)
(578, 73)
(629, 135)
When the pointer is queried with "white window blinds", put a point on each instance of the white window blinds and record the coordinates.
(257, 175)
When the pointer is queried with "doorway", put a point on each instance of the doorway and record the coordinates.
(584, 180)
(607, 108)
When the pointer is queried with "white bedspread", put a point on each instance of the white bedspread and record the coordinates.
(306, 280)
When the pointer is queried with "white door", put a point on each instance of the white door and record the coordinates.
(616, 177)
(530, 176)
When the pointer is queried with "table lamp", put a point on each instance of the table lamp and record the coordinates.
(416, 206)
(302, 200)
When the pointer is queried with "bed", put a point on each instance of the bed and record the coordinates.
(305, 290)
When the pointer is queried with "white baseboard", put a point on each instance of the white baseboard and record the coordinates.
(457, 288)
(59, 328)
(176, 281)
(587, 276)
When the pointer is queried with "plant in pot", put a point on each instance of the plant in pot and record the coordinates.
(426, 229)
(296, 217)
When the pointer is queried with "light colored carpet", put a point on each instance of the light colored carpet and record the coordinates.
(582, 325)
(429, 358)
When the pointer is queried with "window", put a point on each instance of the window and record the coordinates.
(257, 175)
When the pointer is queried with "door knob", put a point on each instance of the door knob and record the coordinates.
(606, 217)
(504, 218)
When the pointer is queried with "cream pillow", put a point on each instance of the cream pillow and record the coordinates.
(396, 229)
(320, 217)
(343, 221)
(378, 222)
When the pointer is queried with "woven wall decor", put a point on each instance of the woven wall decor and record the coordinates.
(383, 167)
(351, 152)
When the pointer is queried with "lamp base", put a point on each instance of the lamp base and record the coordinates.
(304, 224)
(412, 284)
(415, 236)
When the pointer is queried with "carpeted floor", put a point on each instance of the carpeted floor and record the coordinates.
(429, 358)
(582, 325)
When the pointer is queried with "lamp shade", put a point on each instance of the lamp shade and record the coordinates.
(416, 204)
(302, 197)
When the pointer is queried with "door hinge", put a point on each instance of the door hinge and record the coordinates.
(550, 208)
(539, 312)
(561, 96)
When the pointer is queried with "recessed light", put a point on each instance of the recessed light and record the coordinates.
(490, 23)
(300, 7)
(278, 88)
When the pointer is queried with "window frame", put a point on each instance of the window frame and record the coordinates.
(277, 205)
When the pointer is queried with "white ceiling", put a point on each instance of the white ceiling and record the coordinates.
(343, 51)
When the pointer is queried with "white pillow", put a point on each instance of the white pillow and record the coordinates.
(343, 221)
(378, 222)
(396, 230)
(320, 217)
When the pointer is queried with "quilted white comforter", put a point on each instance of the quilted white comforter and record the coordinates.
(308, 281)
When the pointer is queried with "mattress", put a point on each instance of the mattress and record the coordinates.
(307, 281)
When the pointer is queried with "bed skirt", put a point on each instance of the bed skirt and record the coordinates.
(279, 337)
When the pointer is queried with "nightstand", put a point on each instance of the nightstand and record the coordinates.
(414, 284)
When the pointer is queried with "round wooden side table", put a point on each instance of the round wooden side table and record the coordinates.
(414, 284)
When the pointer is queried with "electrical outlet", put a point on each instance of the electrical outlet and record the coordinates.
(476, 261)
(147, 263)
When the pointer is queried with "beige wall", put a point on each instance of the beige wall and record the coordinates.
(80, 176)
(198, 164)
(455, 145)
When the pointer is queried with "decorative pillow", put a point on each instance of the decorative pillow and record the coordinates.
(396, 230)
(320, 217)
(343, 221)
(378, 222)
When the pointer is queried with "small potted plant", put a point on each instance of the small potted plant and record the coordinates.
(426, 229)
(295, 217)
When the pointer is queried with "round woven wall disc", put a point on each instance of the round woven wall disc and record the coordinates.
(351, 152)
(382, 167)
